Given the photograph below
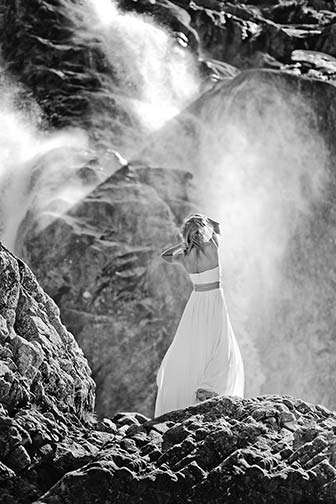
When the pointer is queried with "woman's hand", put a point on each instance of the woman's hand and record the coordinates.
(215, 225)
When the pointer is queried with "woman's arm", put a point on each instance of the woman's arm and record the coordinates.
(174, 253)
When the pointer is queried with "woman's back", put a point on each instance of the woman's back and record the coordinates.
(197, 261)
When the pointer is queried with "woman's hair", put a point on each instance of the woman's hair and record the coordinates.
(194, 230)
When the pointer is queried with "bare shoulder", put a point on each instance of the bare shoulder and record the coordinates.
(211, 247)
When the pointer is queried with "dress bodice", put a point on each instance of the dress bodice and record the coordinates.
(207, 276)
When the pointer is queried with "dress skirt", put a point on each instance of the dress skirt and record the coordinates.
(204, 354)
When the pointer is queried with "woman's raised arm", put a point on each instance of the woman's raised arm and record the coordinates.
(174, 253)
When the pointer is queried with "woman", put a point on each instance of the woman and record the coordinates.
(204, 358)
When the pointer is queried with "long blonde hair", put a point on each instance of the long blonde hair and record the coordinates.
(194, 230)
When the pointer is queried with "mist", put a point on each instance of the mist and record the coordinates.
(265, 172)
(37, 168)
(262, 167)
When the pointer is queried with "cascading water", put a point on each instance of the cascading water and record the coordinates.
(158, 76)
(148, 77)
(145, 73)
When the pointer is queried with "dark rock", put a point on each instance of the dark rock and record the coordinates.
(326, 42)
(47, 393)
(233, 462)
(252, 34)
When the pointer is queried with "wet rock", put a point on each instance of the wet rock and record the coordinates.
(313, 63)
(47, 49)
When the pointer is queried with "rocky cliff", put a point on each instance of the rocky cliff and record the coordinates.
(47, 393)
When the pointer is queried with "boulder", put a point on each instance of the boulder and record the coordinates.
(46, 389)
(100, 262)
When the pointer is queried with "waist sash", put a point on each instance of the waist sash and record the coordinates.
(206, 286)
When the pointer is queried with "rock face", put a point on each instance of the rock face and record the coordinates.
(48, 46)
(253, 34)
(46, 391)
(269, 449)
(64, 72)
(105, 273)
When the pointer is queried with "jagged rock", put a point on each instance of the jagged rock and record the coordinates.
(254, 34)
(75, 72)
(315, 63)
(40, 360)
(108, 279)
(326, 42)
(53, 450)
(45, 48)
(46, 389)
(224, 449)
(38, 42)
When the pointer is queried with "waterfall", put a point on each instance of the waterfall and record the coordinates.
(147, 74)
(156, 75)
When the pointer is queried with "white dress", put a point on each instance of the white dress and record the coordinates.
(204, 353)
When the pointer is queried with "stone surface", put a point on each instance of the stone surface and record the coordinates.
(268, 449)
(50, 48)
(46, 389)
(37, 349)
(79, 75)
